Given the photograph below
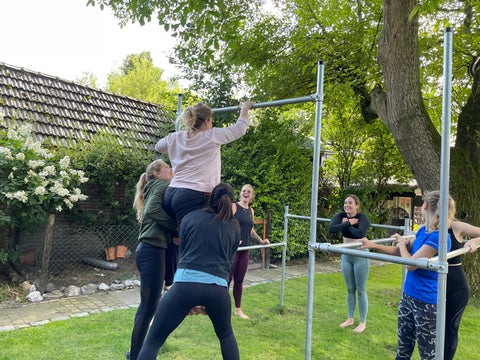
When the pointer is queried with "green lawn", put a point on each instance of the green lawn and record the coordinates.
(272, 333)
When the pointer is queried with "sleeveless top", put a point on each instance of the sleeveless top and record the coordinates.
(245, 219)
(455, 246)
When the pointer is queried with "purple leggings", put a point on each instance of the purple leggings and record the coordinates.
(238, 271)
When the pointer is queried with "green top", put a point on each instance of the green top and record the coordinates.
(156, 225)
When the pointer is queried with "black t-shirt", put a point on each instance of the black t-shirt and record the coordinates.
(207, 245)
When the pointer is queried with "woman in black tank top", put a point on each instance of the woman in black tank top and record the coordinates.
(244, 215)
(457, 285)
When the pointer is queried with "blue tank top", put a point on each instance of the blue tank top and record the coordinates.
(245, 219)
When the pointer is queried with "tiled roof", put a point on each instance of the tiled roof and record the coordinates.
(65, 110)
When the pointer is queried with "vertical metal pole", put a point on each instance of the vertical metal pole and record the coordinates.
(284, 253)
(313, 210)
(444, 186)
(404, 269)
(179, 111)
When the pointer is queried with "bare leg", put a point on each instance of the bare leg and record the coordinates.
(239, 312)
(348, 322)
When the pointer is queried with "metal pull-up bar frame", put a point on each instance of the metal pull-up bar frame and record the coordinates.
(310, 98)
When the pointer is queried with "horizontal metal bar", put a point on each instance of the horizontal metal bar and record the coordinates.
(454, 253)
(310, 98)
(401, 228)
(423, 263)
(260, 246)
(377, 241)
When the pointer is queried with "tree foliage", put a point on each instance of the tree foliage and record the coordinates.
(139, 79)
(389, 52)
(273, 158)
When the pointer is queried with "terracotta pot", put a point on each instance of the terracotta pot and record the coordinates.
(110, 252)
(121, 251)
(29, 258)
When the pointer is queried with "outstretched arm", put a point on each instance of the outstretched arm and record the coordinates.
(472, 244)
(390, 250)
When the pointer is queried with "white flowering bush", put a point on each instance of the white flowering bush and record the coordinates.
(33, 183)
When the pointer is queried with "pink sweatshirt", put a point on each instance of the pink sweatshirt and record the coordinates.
(196, 162)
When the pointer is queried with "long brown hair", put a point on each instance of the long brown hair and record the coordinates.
(221, 203)
(147, 176)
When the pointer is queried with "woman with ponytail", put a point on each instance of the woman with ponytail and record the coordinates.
(209, 239)
(155, 232)
(417, 313)
(195, 156)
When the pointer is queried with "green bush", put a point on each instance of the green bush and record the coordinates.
(275, 157)
(108, 165)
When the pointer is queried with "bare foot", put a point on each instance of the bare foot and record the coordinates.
(240, 313)
(348, 322)
(166, 288)
(360, 328)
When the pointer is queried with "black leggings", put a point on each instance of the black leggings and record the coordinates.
(457, 300)
(175, 306)
(151, 265)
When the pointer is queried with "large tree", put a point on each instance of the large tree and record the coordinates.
(138, 78)
(389, 52)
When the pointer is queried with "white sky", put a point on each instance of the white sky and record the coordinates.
(65, 37)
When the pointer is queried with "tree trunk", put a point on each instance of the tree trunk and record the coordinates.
(398, 56)
(402, 109)
(47, 247)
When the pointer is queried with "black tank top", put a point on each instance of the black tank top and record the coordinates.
(245, 219)
(455, 246)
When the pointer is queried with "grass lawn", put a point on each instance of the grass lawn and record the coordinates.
(271, 332)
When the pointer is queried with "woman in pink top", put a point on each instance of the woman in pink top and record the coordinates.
(195, 157)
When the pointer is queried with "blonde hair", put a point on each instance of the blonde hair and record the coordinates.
(194, 116)
(147, 176)
(432, 222)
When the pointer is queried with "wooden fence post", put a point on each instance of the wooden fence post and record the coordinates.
(47, 247)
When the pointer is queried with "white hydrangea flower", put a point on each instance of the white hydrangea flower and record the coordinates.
(68, 203)
(40, 190)
(58, 189)
(25, 129)
(58, 208)
(20, 156)
(64, 174)
(25, 180)
(45, 153)
(12, 134)
(65, 162)
(35, 163)
(10, 176)
(83, 179)
(74, 198)
(6, 151)
(82, 197)
(19, 195)
(77, 191)
(48, 170)
(34, 146)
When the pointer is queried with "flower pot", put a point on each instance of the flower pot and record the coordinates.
(110, 252)
(121, 251)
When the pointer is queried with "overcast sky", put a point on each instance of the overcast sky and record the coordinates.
(65, 37)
